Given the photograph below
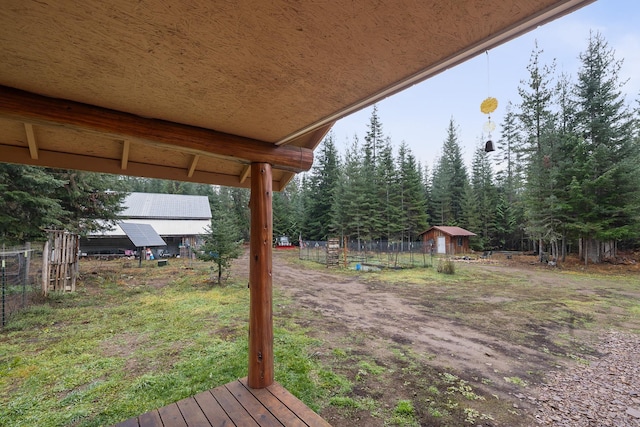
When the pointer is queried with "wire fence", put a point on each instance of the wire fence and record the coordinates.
(21, 275)
(366, 255)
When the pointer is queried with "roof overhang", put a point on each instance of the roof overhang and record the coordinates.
(197, 91)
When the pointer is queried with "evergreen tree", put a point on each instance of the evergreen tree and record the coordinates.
(222, 242)
(235, 201)
(374, 139)
(27, 206)
(375, 142)
(90, 200)
(568, 159)
(510, 184)
(541, 154)
(607, 190)
(288, 211)
(486, 198)
(37, 198)
(449, 179)
(323, 184)
(353, 196)
(388, 195)
(471, 218)
(414, 218)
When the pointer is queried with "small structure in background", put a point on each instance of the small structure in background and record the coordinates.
(447, 240)
(60, 262)
(333, 252)
(179, 219)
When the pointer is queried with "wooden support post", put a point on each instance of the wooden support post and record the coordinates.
(260, 280)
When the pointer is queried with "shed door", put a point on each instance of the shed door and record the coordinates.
(442, 247)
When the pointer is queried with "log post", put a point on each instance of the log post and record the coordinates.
(260, 281)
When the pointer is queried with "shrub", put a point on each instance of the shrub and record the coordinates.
(446, 267)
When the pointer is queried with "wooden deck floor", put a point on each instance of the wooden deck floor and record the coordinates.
(233, 404)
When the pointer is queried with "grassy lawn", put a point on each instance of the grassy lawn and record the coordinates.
(133, 339)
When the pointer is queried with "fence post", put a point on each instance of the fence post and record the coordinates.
(4, 286)
(45, 269)
(27, 260)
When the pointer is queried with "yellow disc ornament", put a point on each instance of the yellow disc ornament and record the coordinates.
(489, 105)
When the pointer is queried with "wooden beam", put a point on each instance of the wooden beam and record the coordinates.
(36, 109)
(194, 163)
(125, 154)
(17, 154)
(260, 281)
(31, 140)
(245, 173)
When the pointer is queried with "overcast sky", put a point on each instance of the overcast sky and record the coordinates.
(420, 115)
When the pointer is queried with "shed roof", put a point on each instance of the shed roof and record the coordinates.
(167, 206)
(198, 90)
(451, 231)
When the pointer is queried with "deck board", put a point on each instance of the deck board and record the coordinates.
(172, 416)
(150, 419)
(232, 405)
(192, 413)
(212, 410)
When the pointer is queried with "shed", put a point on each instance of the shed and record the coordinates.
(227, 93)
(446, 240)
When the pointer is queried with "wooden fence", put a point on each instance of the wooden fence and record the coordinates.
(60, 262)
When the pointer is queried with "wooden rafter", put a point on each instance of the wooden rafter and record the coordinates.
(245, 173)
(125, 154)
(36, 109)
(194, 164)
(16, 154)
(31, 140)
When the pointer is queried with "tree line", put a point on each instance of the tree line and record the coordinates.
(565, 176)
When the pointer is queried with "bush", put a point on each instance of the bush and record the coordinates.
(446, 267)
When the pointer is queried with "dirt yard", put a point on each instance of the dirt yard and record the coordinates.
(501, 330)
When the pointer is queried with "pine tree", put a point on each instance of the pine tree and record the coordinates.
(353, 196)
(323, 184)
(91, 201)
(449, 179)
(388, 195)
(287, 211)
(540, 153)
(609, 185)
(373, 200)
(414, 218)
(222, 242)
(510, 183)
(486, 198)
(27, 205)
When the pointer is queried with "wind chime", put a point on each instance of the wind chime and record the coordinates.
(488, 106)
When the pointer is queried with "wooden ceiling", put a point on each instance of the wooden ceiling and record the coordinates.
(197, 90)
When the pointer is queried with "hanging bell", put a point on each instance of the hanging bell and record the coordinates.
(488, 147)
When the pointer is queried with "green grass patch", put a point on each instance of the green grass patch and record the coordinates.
(128, 342)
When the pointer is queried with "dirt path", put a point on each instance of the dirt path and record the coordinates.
(379, 320)
(391, 315)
